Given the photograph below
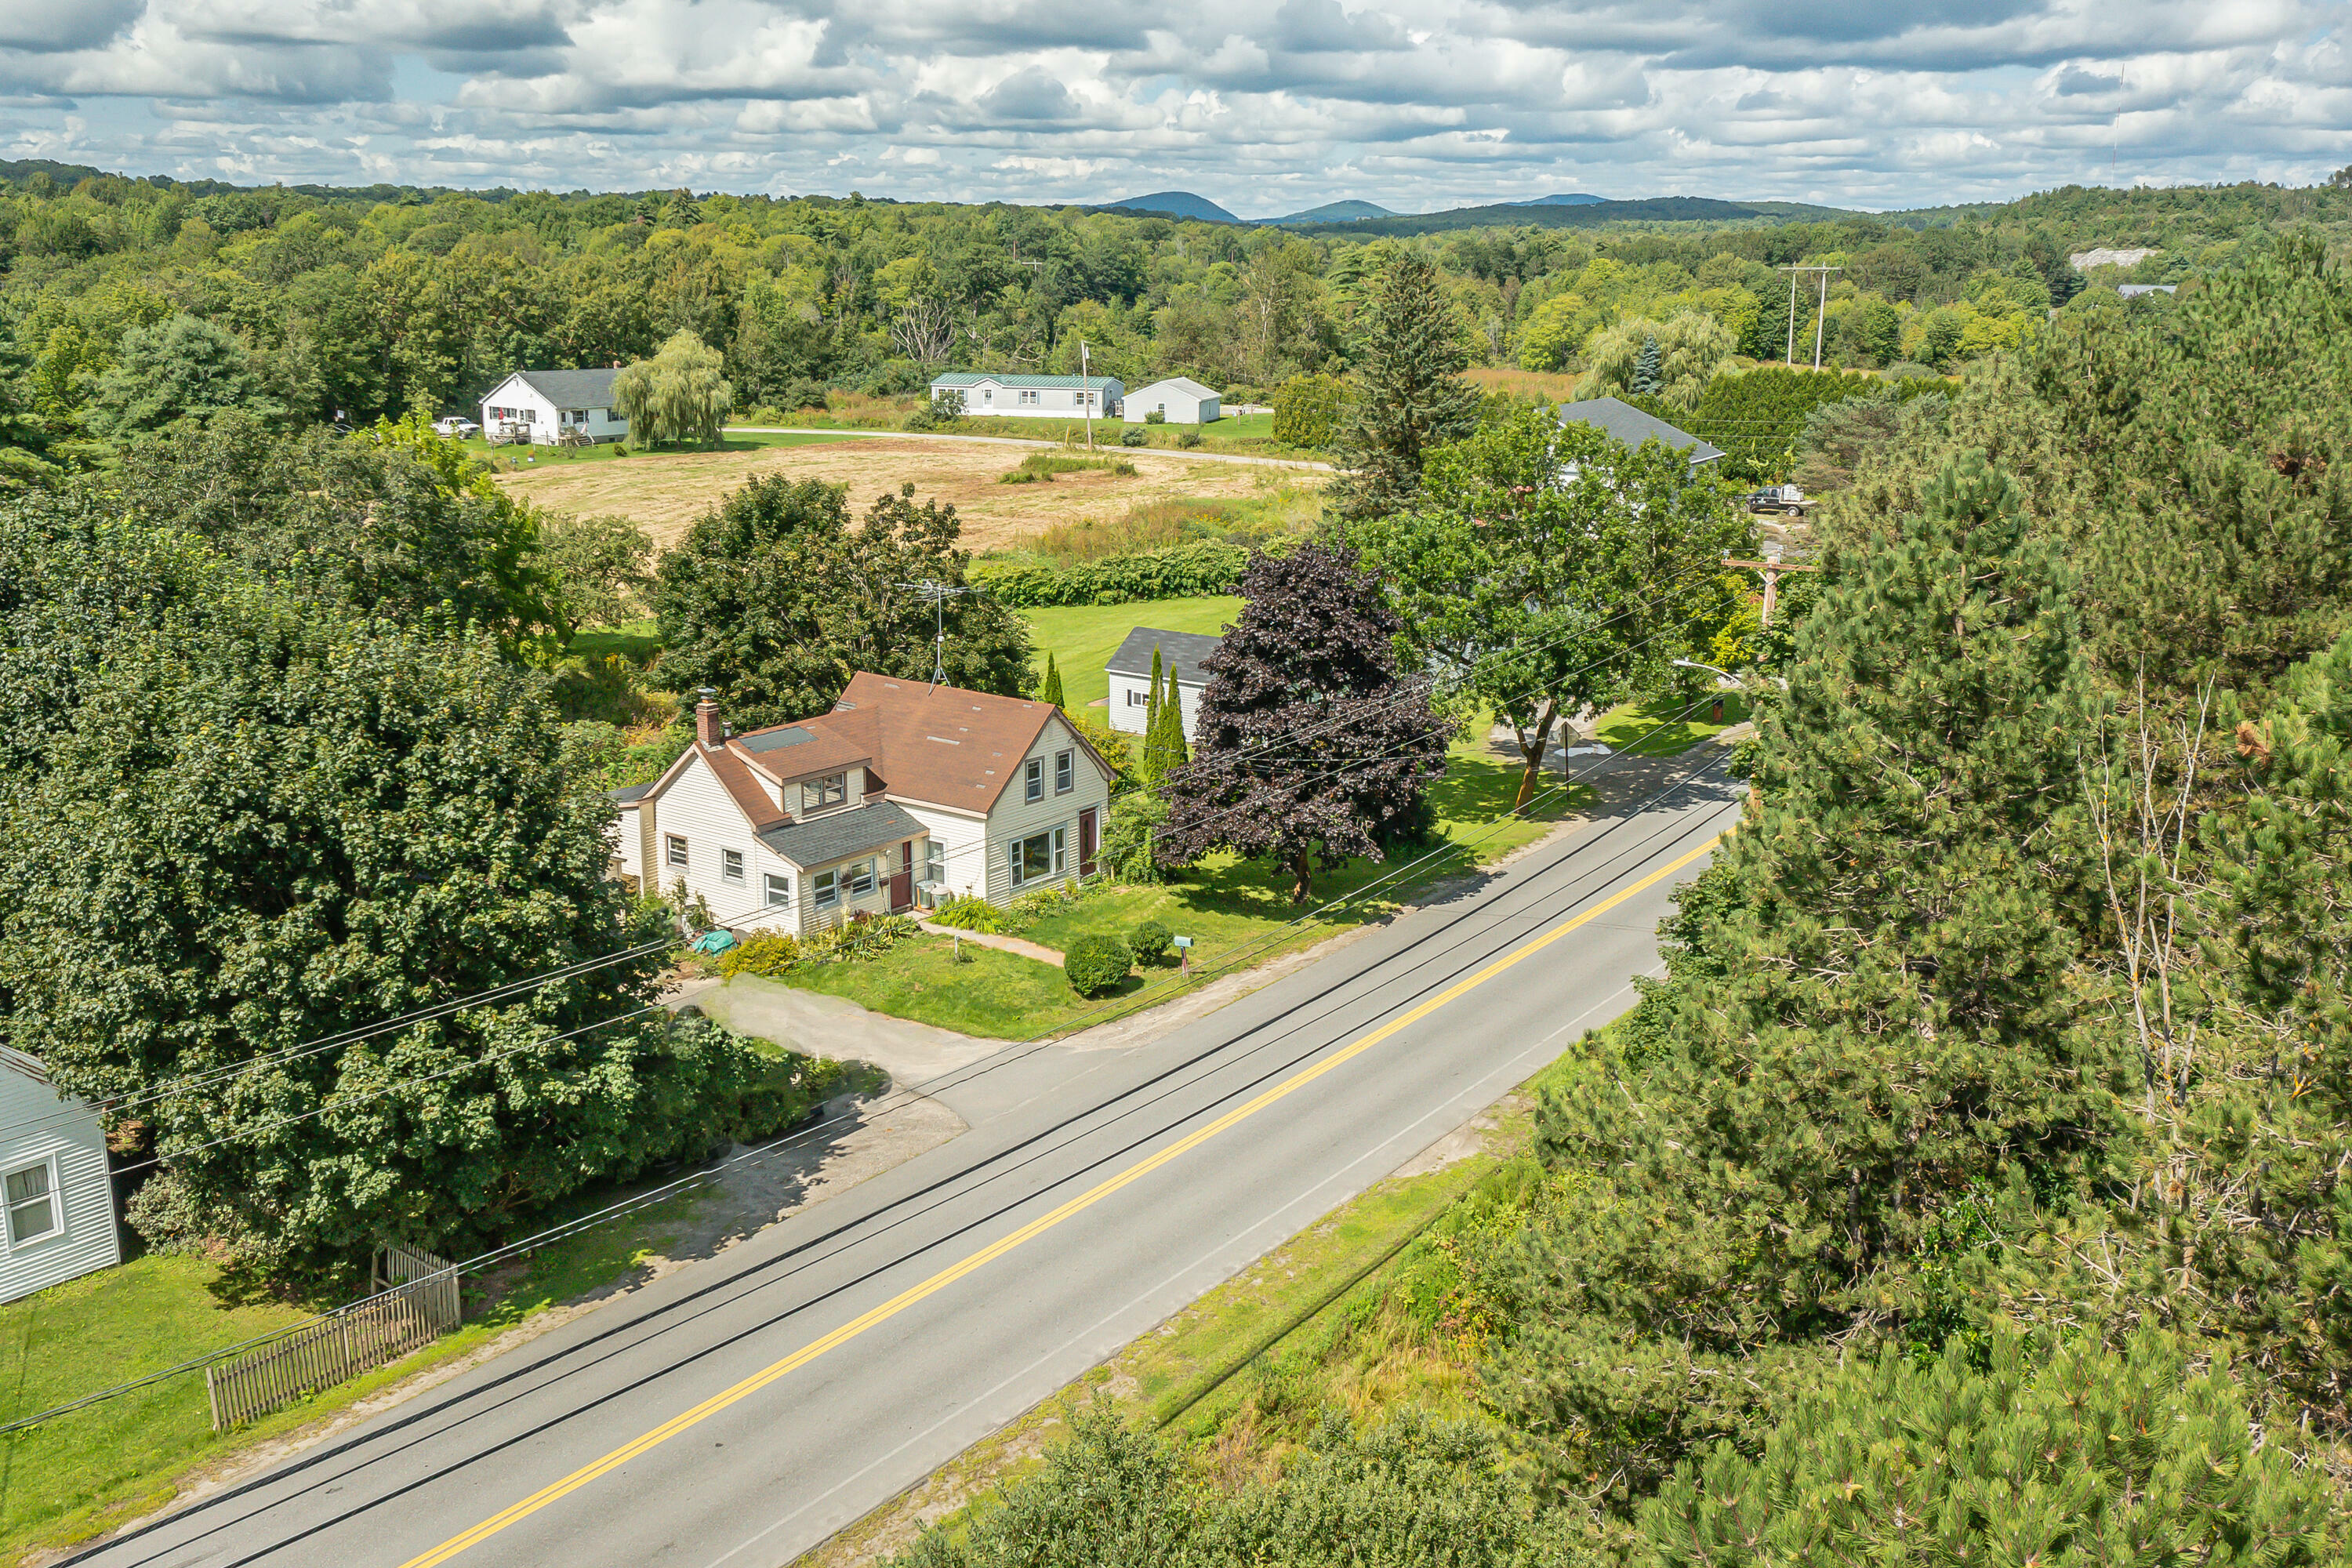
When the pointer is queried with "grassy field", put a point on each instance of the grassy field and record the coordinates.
(532, 458)
(1635, 726)
(1082, 637)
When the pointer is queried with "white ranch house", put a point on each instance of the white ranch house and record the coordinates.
(1129, 670)
(58, 1193)
(540, 406)
(1179, 399)
(1629, 426)
(905, 792)
(987, 394)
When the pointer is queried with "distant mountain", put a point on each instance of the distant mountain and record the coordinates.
(1331, 212)
(1545, 215)
(1579, 200)
(1172, 203)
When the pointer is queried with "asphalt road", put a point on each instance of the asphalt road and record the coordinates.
(741, 1410)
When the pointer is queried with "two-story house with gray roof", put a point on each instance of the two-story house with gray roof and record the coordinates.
(540, 406)
(905, 792)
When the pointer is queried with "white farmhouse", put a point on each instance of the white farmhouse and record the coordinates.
(1186, 652)
(986, 394)
(540, 406)
(904, 789)
(1179, 399)
(53, 1182)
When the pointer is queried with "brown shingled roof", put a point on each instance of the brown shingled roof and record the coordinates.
(941, 744)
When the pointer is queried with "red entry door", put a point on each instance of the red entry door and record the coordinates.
(902, 886)
(1086, 842)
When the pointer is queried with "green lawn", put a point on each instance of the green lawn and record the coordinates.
(637, 641)
(1242, 427)
(1082, 637)
(1634, 726)
(732, 441)
(1000, 995)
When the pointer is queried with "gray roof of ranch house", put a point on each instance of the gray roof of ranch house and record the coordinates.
(572, 388)
(1628, 425)
(1186, 650)
(821, 840)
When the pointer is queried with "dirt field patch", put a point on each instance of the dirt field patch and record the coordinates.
(664, 493)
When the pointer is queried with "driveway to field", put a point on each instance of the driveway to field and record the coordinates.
(1110, 447)
(739, 1410)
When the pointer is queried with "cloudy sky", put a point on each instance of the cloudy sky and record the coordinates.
(1265, 106)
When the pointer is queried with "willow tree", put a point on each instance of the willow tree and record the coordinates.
(676, 396)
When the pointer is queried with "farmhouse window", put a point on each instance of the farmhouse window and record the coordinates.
(730, 864)
(1065, 775)
(1039, 855)
(1136, 699)
(818, 794)
(1033, 779)
(1029, 394)
(780, 891)
(32, 1203)
(674, 850)
(857, 878)
(828, 888)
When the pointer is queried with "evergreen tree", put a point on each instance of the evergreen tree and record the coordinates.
(1410, 395)
(1885, 1028)
(1147, 767)
(1308, 747)
(1648, 379)
(1051, 690)
(1163, 740)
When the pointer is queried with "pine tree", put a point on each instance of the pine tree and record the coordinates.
(1163, 739)
(1051, 690)
(1408, 395)
(1649, 369)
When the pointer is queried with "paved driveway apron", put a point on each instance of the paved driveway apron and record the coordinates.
(741, 1410)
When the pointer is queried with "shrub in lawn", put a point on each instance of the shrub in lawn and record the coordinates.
(1152, 941)
(768, 953)
(1095, 964)
(968, 912)
(1157, 416)
(1187, 437)
(1135, 435)
(1031, 907)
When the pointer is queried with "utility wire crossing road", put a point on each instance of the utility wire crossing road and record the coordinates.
(739, 1410)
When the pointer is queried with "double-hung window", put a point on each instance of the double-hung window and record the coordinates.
(674, 850)
(730, 866)
(1136, 699)
(818, 794)
(32, 1203)
(1065, 775)
(936, 861)
(828, 888)
(1033, 779)
(780, 891)
(857, 878)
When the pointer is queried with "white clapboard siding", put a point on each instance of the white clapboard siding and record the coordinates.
(61, 1134)
(1015, 818)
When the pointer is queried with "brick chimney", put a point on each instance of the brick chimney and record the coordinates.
(706, 728)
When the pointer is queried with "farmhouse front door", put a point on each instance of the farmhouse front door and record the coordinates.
(1086, 842)
(902, 885)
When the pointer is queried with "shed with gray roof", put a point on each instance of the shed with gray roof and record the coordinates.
(1129, 670)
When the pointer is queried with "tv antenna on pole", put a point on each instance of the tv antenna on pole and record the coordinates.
(939, 594)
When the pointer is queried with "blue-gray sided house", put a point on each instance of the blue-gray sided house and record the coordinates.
(987, 394)
(54, 1188)
(1629, 426)
(540, 406)
(1129, 670)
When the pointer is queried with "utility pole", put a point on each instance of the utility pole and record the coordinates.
(1819, 314)
(1771, 566)
(1792, 313)
(1822, 314)
(939, 594)
(1087, 392)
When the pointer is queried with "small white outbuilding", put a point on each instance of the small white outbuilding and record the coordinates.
(57, 1194)
(1179, 399)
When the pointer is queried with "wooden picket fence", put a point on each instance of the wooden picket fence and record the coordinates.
(416, 1301)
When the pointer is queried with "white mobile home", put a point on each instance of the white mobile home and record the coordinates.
(986, 394)
(54, 1181)
(539, 405)
(904, 789)
(1129, 670)
(1179, 399)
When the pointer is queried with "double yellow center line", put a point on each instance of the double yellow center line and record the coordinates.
(556, 1490)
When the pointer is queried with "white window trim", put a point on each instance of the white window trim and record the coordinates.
(828, 887)
(1066, 771)
(675, 856)
(56, 1205)
(1033, 779)
(1136, 699)
(741, 874)
(773, 884)
(857, 878)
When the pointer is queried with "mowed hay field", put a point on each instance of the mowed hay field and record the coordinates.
(663, 494)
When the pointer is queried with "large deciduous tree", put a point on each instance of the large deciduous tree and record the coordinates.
(1409, 393)
(1307, 748)
(1544, 567)
(776, 598)
(680, 394)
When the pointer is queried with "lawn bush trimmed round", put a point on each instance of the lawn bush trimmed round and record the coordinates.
(1135, 435)
(1095, 964)
(1152, 941)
